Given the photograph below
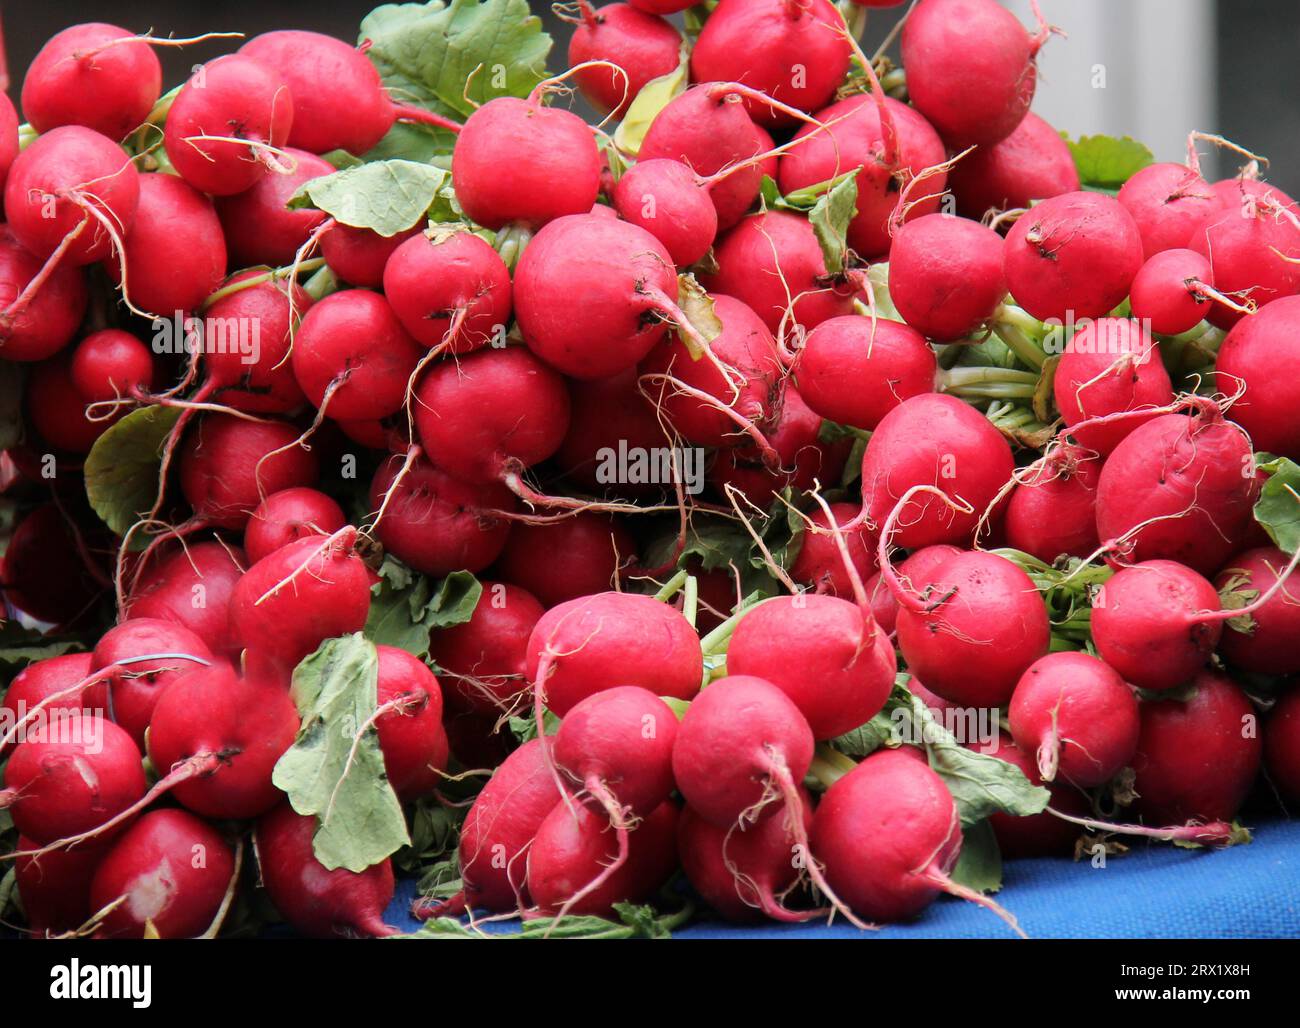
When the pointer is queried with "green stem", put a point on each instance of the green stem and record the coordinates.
(829, 765)
(272, 275)
(510, 243)
(672, 587)
(716, 641)
(321, 284)
(691, 599)
(1019, 341)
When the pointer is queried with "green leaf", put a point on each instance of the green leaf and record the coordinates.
(1278, 506)
(21, 646)
(122, 467)
(882, 729)
(808, 197)
(405, 606)
(1106, 163)
(830, 218)
(386, 197)
(423, 144)
(655, 95)
(11, 403)
(980, 865)
(634, 922)
(426, 53)
(335, 769)
(697, 305)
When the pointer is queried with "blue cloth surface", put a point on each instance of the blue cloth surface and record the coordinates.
(1153, 891)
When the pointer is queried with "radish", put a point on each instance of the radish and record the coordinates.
(173, 870)
(450, 290)
(46, 678)
(744, 875)
(491, 415)
(1077, 716)
(1179, 487)
(854, 372)
(96, 75)
(358, 256)
(1033, 163)
(289, 515)
(295, 598)
(945, 275)
(1052, 511)
(1281, 747)
(192, 588)
(1110, 366)
(574, 646)
(253, 373)
(1197, 758)
(40, 308)
(228, 465)
(604, 414)
(1263, 640)
(640, 46)
(561, 561)
(352, 357)
(318, 902)
(410, 731)
(773, 264)
(485, 657)
(819, 562)
(259, 227)
(133, 689)
(886, 158)
(1037, 835)
(58, 410)
(927, 439)
(1169, 202)
(889, 834)
(47, 573)
(795, 51)
(435, 523)
(914, 572)
(825, 653)
(554, 162)
(55, 887)
(1072, 257)
(661, 6)
(72, 192)
(671, 202)
(175, 253)
(227, 123)
(972, 94)
(1248, 361)
(8, 138)
(111, 363)
(1173, 291)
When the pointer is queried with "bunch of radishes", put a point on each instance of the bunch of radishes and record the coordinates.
(354, 405)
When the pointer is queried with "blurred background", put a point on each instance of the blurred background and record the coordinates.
(1152, 69)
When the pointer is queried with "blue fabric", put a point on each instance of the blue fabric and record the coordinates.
(1153, 891)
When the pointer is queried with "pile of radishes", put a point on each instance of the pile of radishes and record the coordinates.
(404, 476)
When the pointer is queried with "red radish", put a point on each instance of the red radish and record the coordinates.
(585, 554)
(735, 385)
(58, 410)
(886, 157)
(641, 45)
(96, 75)
(111, 363)
(352, 357)
(173, 870)
(945, 275)
(39, 312)
(358, 256)
(227, 467)
(889, 834)
(72, 777)
(1264, 640)
(72, 189)
(744, 875)
(226, 122)
(671, 202)
(489, 416)
(854, 373)
(318, 902)
(410, 729)
(1179, 487)
(1072, 257)
(1033, 163)
(246, 337)
(819, 563)
(573, 849)
(604, 414)
(1110, 366)
(1173, 291)
(485, 657)
(258, 225)
(8, 138)
(972, 95)
(1281, 747)
(972, 628)
(1249, 359)
(708, 129)
(829, 657)
(1053, 508)
(661, 6)
(914, 572)
(1036, 835)
(288, 515)
(1169, 202)
(192, 587)
(1077, 716)
(555, 162)
(388, 435)
(772, 263)
(43, 679)
(175, 253)
(55, 887)
(1197, 758)
(792, 50)
(574, 647)
(133, 689)
(45, 573)
(438, 524)
(927, 439)
(292, 600)
(1238, 191)
(449, 288)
